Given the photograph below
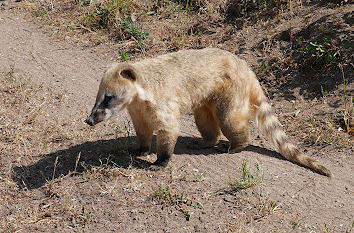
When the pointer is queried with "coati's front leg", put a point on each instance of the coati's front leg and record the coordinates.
(144, 133)
(144, 137)
(166, 141)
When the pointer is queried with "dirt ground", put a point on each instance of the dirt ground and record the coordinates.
(59, 175)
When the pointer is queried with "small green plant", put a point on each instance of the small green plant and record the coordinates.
(264, 67)
(198, 177)
(135, 31)
(177, 200)
(322, 51)
(324, 92)
(84, 3)
(267, 207)
(263, 5)
(15, 84)
(187, 215)
(297, 223)
(84, 166)
(107, 14)
(82, 219)
(243, 35)
(40, 11)
(124, 56)
(345, 118)
(248, 179)
(299, 39)
(85, 216)
(312, 228)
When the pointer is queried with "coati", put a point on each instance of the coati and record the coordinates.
(220, 89)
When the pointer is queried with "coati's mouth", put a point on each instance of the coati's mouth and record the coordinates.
(98, 115)
(89, 121)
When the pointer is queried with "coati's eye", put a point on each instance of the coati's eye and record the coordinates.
(108, 97)
(107, 101)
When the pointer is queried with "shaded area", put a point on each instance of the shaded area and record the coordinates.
(313, 63)
(117, 152)
(241, 12)
(250, 12)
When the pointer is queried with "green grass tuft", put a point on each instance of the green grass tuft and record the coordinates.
(248, 178)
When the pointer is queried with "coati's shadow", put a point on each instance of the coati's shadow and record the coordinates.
(114, 152)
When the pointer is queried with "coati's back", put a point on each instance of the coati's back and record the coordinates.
(191, 76)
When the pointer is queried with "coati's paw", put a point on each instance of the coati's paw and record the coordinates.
(141, 151)
(158, 165)
(227, 148)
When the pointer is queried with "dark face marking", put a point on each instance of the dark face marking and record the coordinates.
(108, 101)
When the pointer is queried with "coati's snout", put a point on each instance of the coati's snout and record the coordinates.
(102, 110)
(89, 121)
(97, 116)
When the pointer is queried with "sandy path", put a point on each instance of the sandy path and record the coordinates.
(55, 64)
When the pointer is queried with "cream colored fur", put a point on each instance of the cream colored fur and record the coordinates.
(216, 85)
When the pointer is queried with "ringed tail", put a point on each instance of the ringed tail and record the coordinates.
(269, 124)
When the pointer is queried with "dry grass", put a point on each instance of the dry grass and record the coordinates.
(171, 25)
(179, 201)
(319, 131)
(255, 206)
(28, 103)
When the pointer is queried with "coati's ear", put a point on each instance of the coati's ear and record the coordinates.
(129, 73)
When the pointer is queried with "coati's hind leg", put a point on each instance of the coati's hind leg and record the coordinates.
(207, 126)
(233, 120)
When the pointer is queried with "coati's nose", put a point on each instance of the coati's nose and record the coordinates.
(89, 121)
